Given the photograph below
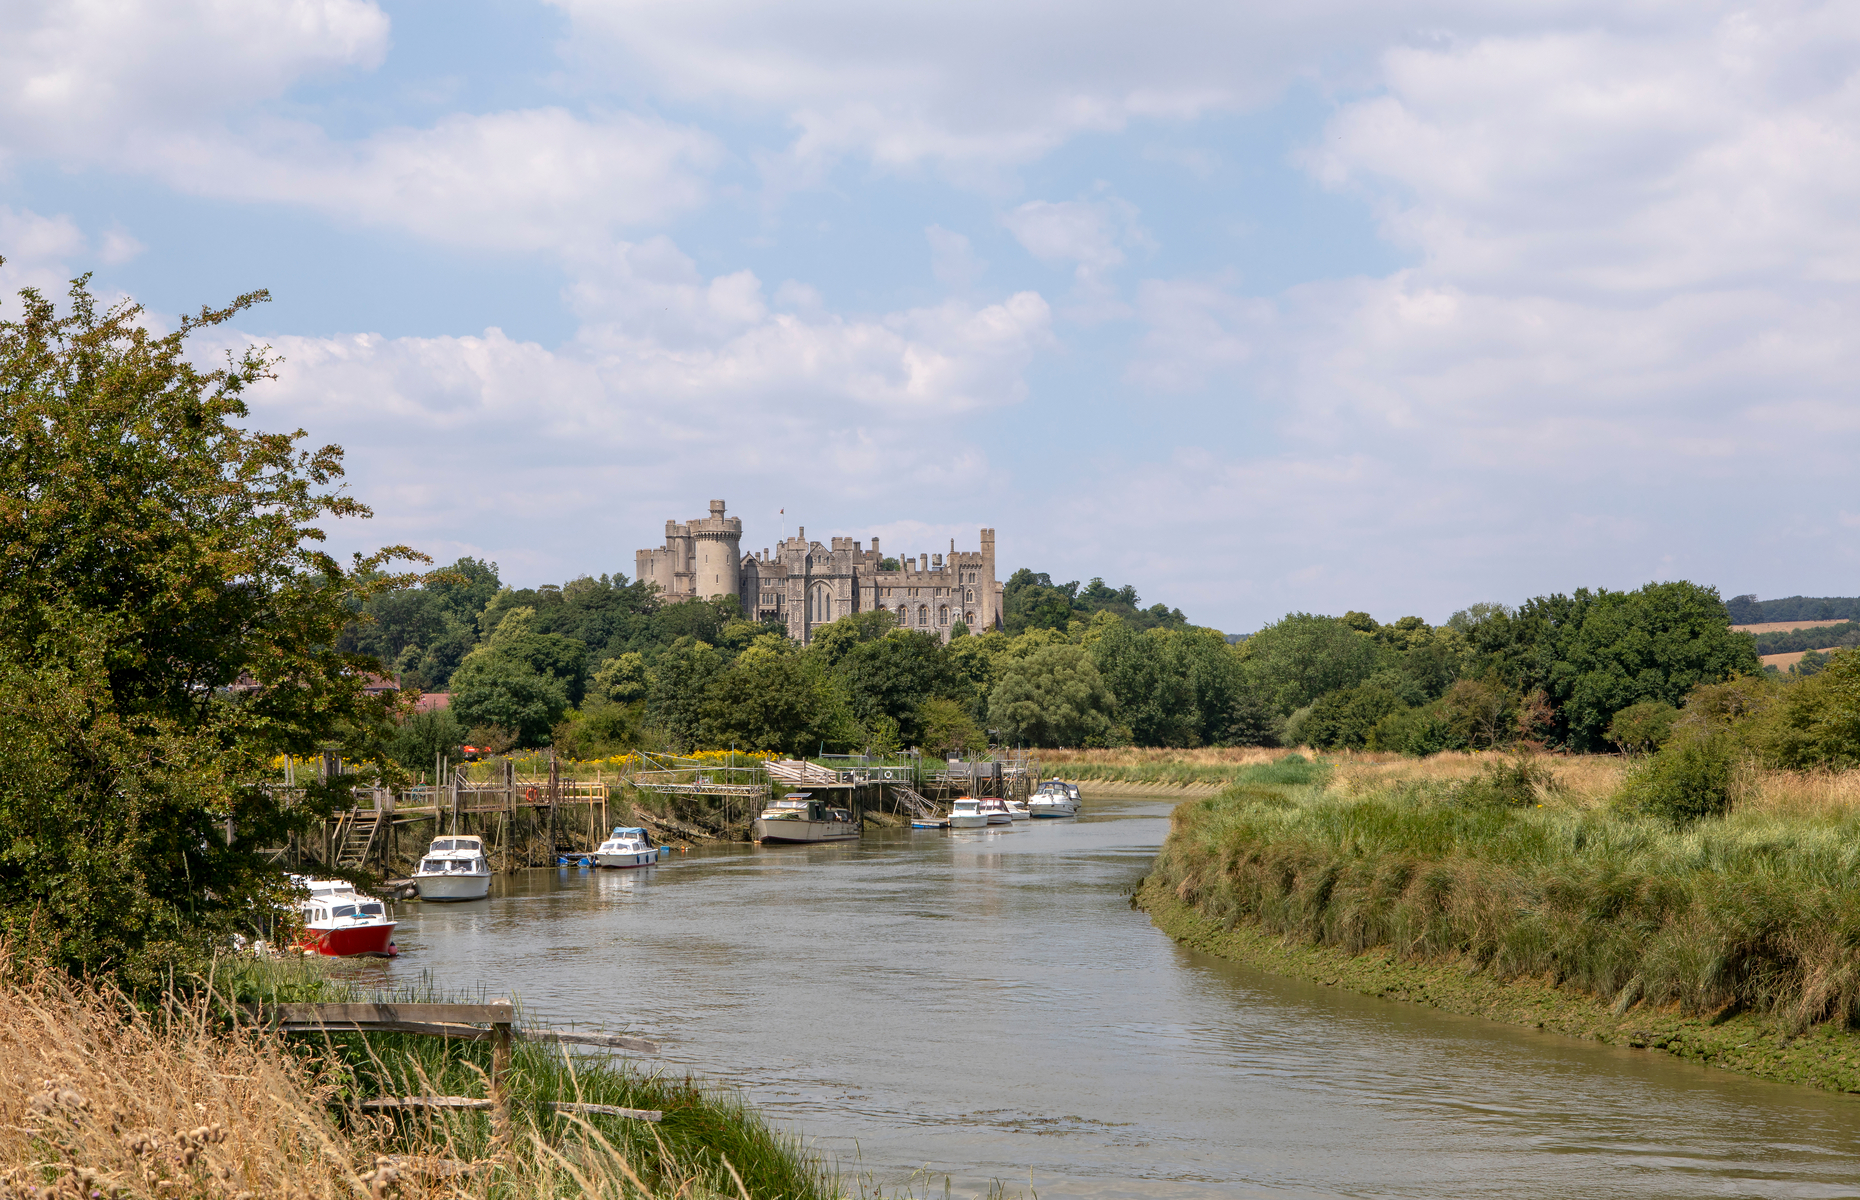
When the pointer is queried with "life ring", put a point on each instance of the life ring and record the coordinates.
(532, 795)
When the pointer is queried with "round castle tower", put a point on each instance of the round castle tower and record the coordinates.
(716, 555)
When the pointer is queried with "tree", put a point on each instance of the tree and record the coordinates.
(675, 699)
(781, 703)
(1344, 718)
(1054, 698)
(893, 676)
(1643, 727)
(158, 552)
(948, 729)
(492, 687)
(1302, 657)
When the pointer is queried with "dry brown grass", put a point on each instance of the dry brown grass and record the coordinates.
(98, 1098)
(1774, 626)
(1819, 794)
(1138, 756)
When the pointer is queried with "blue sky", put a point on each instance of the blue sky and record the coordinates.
(1261, 308)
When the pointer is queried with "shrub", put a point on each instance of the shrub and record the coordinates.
(1417, 731)
(1344, 718)
(1643, 727)
(1516, 782)
(1685, 782)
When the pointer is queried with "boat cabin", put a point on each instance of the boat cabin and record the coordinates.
(800, 806)
(455, 855)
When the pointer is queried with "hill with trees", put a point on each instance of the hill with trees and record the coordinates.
(1748, 610)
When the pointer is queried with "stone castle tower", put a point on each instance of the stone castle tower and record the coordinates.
(700, 559)
(804, 584)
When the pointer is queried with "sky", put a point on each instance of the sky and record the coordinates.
(1260, 308)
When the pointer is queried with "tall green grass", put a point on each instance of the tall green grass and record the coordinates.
(708, 1138)
(1748, 911)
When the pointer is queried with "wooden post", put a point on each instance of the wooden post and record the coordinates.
(555, 794)
(500, 1094)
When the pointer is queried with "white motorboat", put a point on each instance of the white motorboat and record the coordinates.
(966, 813)
(454, 868)
(801, 818)
(341, 922)
(626, 848)
(1055, 798)
(996, 810)
(1018, 811)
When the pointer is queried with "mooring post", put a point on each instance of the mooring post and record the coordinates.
(500, 1092)
(555, 794)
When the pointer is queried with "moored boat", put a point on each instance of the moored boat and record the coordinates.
(454, 868)
(1018, 811)
(1055, 798)
(996, 810)
(340, 922)
(801, 818)
(966, 813)
(626, 848)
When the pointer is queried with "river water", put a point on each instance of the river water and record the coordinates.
(986, 1005)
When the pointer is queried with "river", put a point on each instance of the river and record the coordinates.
(986, 1005)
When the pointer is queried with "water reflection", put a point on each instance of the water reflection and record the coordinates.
(985, 1002)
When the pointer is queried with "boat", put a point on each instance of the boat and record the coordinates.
(801, 818)
(1055, 798)
(1018, 811)
(996, 810)
(966, 813)
(341, 922)
(626, 848)
(454, 868)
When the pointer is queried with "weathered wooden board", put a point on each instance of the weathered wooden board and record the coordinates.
(610, 1110)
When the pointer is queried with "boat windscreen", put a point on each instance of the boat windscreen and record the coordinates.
(373, 910)
(442, 844)
(347, 910)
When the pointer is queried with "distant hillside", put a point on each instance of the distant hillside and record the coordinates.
(1748, 610)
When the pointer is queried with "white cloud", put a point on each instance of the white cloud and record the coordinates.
(539, 179)
(87, 78)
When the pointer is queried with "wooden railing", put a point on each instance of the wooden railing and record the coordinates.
(494, 1022)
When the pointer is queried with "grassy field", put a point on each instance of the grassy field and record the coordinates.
(103, 1097)
(1521, 872)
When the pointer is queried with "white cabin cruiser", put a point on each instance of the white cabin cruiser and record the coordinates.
(626, 848)
(1018, 811)
(996, 810)
(1055, 798)
(801, 818)
(966, 813)
(340, 921)
(454, 868)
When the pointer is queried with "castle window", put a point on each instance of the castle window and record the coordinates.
(923, 614)
(971, 597)
(904, 615)
(969, 620)
(942, 615)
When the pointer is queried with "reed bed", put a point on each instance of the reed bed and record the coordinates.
(1759, 910)
(103, 1097)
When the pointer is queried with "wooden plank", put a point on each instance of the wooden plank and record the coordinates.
(462, 1102)
(463, 1033)
(363, 1014)
(611, 1110)
(591, 1039)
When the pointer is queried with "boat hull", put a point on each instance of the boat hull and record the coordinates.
(452, 887)
(1054, 810)
(631, 858)
(780, 832)
(972, 821)
(349, 941)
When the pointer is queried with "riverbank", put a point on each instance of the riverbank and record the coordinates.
(1822, 1056)
(1433, 884)
(107, 1096)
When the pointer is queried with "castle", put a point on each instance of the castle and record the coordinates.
(804, 584)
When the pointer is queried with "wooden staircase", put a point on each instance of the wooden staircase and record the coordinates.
(355, 837)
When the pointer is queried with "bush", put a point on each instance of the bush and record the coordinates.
(1417, 731)
(1345, 718)
(1517, 782)
(1685, 782)
(1640, 728)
